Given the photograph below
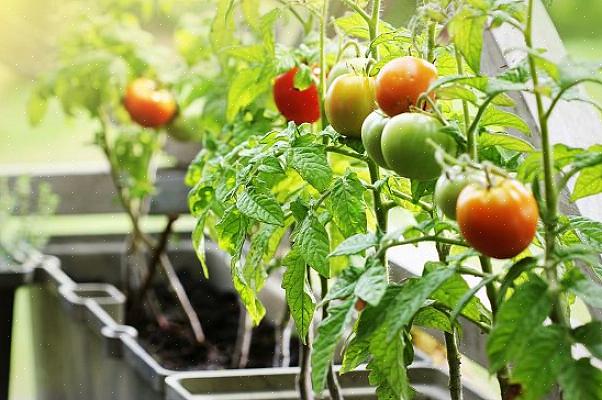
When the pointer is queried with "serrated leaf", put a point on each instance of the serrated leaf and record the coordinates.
(314, 245)
(590, 335)
(588, 183)
(537, 378)
(495, 117)
(311, 163)
(466, 31)
(516, 320)
(330, 332)
(345, 284)
(346, 203)
(411, 298)
(388, 366)
(232, 230)
(580, 380)
(298, 295)
(588, 231)
(506, 141)
(372, 284)
(355, 244)
(260, 205)
(245, 87)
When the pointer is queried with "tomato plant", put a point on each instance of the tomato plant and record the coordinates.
(304, 200)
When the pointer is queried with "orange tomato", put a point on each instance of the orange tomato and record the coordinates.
(147, 105)
(401, 82)
(499, 221)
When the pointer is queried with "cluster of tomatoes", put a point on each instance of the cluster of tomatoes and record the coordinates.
(496, 215)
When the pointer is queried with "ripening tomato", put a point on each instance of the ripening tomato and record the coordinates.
(448, 188)
(406, 149)
(147, 105)
(349, 66)
(498, 220)
(296, 105)
(372, 131)
(401, 82)
(348, 102)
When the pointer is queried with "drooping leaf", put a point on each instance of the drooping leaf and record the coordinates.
(330, 332)
(516, 320)
(298, 295)
(430, 317)
(466, 30)
(493, 116)
(247, 294)
(506, 141)
(198, 243)
(346, 203)
(232, 229)
(314, 245)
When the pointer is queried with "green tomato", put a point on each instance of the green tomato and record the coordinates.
(406, 149)
(350, 66)
(372, 130)
(348, 102)
(448, 188)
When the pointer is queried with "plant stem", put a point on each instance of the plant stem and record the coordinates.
(373, 26)
(472, 149)
(283, 340)
(331, 379)
(244, 335)
(550, 220)
(454, 361)
(305, 388)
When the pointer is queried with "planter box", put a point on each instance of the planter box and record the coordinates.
(83, 350)
(280, 384)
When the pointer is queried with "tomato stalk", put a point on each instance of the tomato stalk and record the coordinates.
(550, 219)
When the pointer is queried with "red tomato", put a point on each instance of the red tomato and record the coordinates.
(147, 105)
(401, 82)
(296, 105)
(499, 221)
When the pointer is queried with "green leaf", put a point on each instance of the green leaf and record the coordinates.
(355, 244)
(298, 295)
(264, 243)
(345, 284)
(198, 243)
(303, 77)
(587, 290)
(430, 317)
(232, 229)
(506, 141)
(346, 203)
(537, 378)
(311, 163)
(37, 105)
(388, 366)
(588, 183)
(372, 284)
(516, 320)
(522, 265)
(222, 29)
(411, 298)
(352, 24)
(590, 335)
(330, 331)
(453, 290)
(495, 117)
(466, 31)
(260, 205)
(580, 380)
(245, 87)
(247, 294)
(314, 245)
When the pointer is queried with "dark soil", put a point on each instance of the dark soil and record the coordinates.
(174, 346)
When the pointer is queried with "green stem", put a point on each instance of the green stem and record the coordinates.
(348, 153)
(465, 111)
(454, 361)
(404, 196)
(373, 26)
(430, 51)
(550, 220)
